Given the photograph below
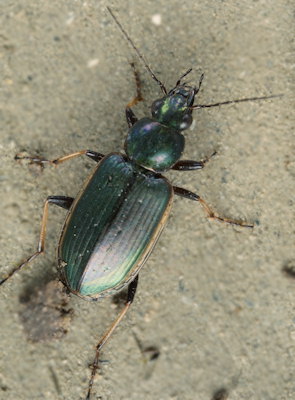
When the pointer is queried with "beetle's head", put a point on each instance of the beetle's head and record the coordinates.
(174, 109)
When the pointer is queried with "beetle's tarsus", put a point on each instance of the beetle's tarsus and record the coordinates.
(42, 161)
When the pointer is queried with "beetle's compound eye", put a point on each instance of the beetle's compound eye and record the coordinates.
(186, 122)
(156, 107)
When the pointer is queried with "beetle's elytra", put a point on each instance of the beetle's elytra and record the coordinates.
(114, 222)
(121, 212)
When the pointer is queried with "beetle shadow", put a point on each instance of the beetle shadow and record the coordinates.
(220, 394)
(44, 313)
(289, 268)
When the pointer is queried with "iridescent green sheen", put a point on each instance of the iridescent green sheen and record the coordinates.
(157, 143)
(174, 109)
(111, 224)
(153, 145)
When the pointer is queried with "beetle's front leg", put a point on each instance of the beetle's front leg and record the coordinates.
(42, 161)
(190, 165)
(130, 297)
(61, 201)
(130, 116)
(210, 213)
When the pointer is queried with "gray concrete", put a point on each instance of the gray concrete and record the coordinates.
(213, 298)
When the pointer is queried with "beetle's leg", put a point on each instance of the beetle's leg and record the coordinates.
(94, 155)
(42, 161)
(130, 297)
(130, 116)
(190, 165)
(138, 96)
(61, 201)
(210, 213)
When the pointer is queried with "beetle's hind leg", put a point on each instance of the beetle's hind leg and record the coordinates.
(42, 161)
(130, 297)
(130, 116)
(210, 213)
(61, 201)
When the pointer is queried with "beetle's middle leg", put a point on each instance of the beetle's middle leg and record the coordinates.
(210, 213)
(130, 116)
(61, 201)
(42, 161)
(130, 297)
(190, 165)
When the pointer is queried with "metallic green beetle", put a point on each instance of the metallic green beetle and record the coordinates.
(115, 221)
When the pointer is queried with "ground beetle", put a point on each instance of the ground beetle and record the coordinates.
(118, 216)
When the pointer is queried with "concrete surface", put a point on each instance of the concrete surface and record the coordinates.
(212, 298)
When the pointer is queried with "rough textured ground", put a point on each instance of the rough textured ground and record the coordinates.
(212, 298)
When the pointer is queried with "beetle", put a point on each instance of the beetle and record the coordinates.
(115, 221)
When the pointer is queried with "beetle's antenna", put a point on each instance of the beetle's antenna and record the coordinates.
(197, 106)
(137, 52)
(182, 76)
